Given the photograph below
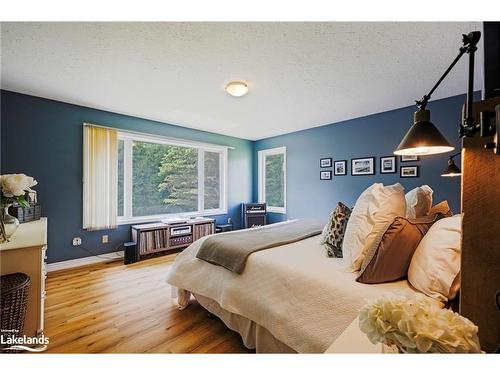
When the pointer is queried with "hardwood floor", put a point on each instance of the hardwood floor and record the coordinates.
(116, 308)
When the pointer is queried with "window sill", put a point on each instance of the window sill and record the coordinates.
(276, 210)
(151, 219)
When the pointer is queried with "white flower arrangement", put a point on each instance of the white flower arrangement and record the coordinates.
(14, 187)
(418, 326)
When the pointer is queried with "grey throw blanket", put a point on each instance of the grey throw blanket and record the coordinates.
(231, 250)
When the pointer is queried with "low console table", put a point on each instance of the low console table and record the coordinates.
(162, 237)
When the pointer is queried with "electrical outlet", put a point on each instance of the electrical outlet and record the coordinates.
(105, 238)
(77, 241)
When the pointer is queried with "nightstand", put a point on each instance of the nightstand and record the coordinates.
(219, 228)
(352, 340)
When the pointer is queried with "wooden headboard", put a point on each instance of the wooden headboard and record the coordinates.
(481, 234)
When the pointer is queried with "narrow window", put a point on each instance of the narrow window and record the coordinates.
(272, 179)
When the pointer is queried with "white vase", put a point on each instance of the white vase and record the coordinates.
(10, 223)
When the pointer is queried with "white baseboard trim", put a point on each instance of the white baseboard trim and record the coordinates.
(84, 261)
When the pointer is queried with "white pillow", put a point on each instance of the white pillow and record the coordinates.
(418, 202)
(375, 208)
(436, 262)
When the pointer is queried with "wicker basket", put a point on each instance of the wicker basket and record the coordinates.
(14, 289)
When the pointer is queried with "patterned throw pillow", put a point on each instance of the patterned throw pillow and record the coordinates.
(333, 233)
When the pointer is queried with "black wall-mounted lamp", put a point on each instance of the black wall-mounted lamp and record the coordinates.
(452, 170)
(424, 138)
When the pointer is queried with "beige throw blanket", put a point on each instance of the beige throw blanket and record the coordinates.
(231, 250)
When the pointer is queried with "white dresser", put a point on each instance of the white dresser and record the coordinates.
(26, 253)
(352, 340)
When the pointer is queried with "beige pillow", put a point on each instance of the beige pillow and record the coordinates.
(441, 208)
(376, 207)
(436, 261)
(418, 202)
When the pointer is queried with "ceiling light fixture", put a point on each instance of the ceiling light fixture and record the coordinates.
(237, 88)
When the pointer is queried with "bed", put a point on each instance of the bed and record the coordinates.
(290, 298)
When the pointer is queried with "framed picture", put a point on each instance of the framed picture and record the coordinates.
(362, 166)
(388, 164)
(340, 167)
(405, 158)
(325, 175)
(409, 171)
(325, 163)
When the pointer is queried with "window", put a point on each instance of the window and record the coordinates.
(272, 179)
(159, 177)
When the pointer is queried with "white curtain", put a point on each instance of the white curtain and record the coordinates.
(100, 177)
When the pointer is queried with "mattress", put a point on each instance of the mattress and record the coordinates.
(303, 298)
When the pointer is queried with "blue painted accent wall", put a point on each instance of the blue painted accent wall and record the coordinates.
(43, 138)
(375, 135)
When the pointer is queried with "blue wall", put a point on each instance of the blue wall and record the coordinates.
(375, 135)
(43, 138)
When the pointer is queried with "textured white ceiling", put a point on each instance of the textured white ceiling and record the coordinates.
(301, 75)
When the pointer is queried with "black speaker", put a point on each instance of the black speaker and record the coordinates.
(253, 214)
(130, 252)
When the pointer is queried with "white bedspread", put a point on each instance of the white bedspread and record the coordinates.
(305, 299)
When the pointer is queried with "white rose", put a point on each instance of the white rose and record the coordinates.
(418, 326)
(14, 185)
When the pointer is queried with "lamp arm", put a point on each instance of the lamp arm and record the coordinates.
(468, 121)
(469, 46)
(422, 103)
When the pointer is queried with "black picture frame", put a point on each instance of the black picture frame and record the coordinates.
(408, 158)
(340, 162)
(383, 169)
(414, 167)
(327, 161)
(325, 175)
(370, 171)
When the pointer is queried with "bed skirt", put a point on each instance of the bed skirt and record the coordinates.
(253, 335)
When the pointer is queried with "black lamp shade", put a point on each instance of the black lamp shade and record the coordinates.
(451, 170)
(423, 138)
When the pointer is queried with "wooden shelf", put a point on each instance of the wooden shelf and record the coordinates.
(153, 238)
